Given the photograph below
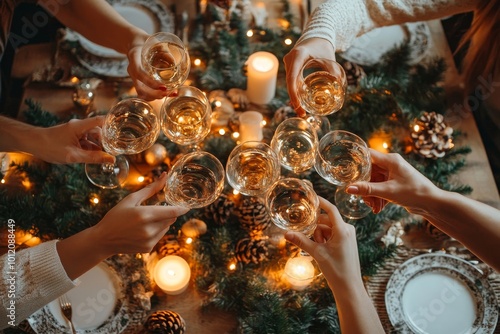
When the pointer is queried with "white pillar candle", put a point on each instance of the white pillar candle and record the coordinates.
(251, 126)
(299, 272)
(172, 274)
(262, 73)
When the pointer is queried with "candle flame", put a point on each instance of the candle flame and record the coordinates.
(263, 64)
(140, 179)
(170, 272)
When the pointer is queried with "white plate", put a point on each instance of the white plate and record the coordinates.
(440, 293)
(368, 49)
(118, 289)
(150, 15)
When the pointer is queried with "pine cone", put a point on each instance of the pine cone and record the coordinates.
(282, 114)
(432, 138)
(220, 210)
(168, 245)
(252, 214)
(248, 250)
(354, 73)
(165, 322)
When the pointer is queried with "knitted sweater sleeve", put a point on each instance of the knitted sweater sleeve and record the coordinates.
(31, 278)
(341, 21)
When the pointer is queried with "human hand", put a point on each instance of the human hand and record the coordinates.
(394, 179)
(130, 227)
(297, 57)
(69, 142)
(334, 247)
(147, 88)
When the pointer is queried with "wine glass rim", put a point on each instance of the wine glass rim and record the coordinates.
(332, 132)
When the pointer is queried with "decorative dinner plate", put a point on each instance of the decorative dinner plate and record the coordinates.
(150, 15)
(100, 304)
(440, 293)
(368, 49)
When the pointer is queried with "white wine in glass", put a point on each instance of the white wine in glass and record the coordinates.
(293, 205)
(130, 127)
(344, 158)
(321, 86)
(186, 116)
(295, 142)
(252, 167)
(195, 180)
(166, 59)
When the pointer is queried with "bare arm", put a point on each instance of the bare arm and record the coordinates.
(475, 224)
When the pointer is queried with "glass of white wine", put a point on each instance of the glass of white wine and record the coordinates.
(166, 59)
(344, 158)
(195, 180)
(186, 116)
(252, 167)
(295, 142)
(321, 86)
(130, 127)
(293, 205)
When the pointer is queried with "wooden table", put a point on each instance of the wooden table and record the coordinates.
(477, 173)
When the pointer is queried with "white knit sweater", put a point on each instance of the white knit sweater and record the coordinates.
(32, 280)
(341, 21)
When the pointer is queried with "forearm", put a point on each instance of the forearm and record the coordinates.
(356, 311)
(16, 136)
(475, 224)
(112, 30)
(70, 252)
(341, 22)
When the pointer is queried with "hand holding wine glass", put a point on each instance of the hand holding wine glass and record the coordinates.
(344, 158)
(130, 127)
(166, 59)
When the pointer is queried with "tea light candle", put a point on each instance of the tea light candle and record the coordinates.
(299, 272)
(251, 126)
(262, 71)
(172, 274)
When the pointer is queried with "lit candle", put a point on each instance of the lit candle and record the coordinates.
(299, 272)
(262, 71)
(380, 141)
(251, 126)
(172, 274)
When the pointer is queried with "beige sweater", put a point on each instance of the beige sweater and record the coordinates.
(341, 21)
(32, 280)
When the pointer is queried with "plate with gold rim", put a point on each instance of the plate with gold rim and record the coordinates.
(440, 293)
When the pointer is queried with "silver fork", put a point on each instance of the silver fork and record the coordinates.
(67, 311)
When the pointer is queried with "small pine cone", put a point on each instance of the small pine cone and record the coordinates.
(432, 138)
(252, 214)
(220, 210)
(248, 250)
(282, 114)
(165, 322)
(168, 245)
(354, 73)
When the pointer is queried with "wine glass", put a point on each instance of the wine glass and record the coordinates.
(166, 59)
(295, 142)
(344, 158)
(321, 86)
(293, 205)
(130, 127)
(195, 180)
(186, 116)
(252, 167)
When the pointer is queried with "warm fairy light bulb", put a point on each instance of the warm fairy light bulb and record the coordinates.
(197, 62)
(189, 241)
(3, 181)
(232, 266)
(236, 135)
(218, 104)
(249, 33)
(222, 132)
(288, 41)
(416, 128)
(263, 123)
(385, 145)
(140, 179)
(74, 80)
(235, 192)
(94, 200)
